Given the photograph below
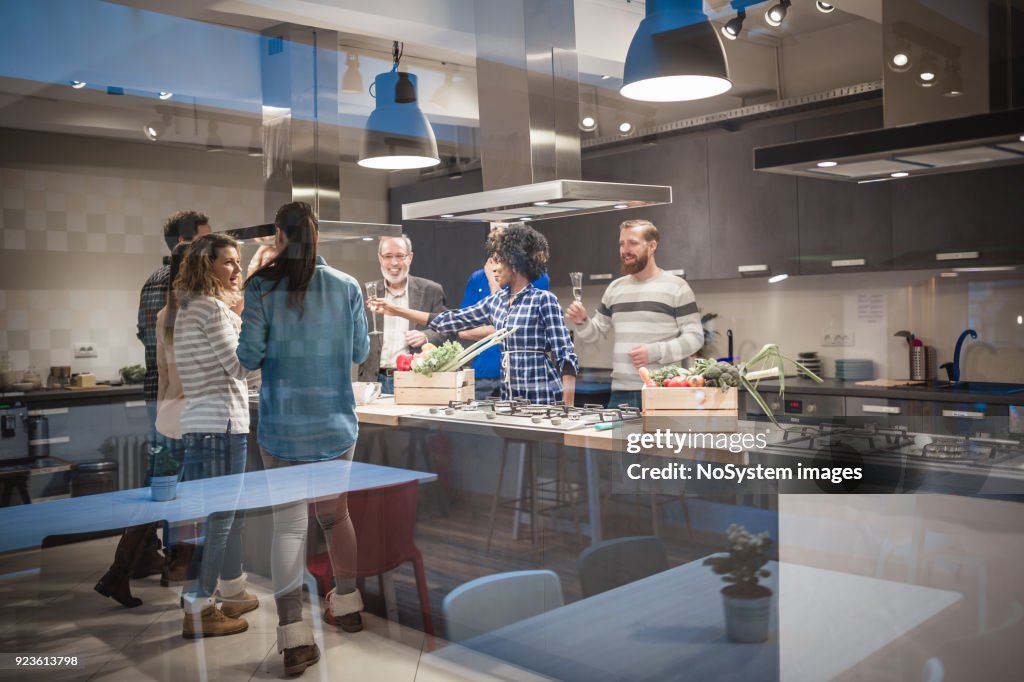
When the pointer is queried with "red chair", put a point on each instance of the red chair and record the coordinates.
(385, 524)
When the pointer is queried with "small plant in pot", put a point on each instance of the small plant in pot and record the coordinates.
(163, 482)
(747, 604)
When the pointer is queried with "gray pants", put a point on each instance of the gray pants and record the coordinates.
(288, 549)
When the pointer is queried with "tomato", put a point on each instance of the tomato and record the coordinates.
(697, 381)
(677, 382)
(403, 363)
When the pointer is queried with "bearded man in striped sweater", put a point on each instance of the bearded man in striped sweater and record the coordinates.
(654, 314)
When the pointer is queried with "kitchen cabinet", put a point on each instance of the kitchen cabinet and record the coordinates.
(753, 215)
(844, 227)
(956, 214)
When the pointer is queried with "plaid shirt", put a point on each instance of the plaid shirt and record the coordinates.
(151, 300)
(530, 373)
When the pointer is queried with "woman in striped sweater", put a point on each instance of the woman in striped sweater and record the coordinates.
(214, 423)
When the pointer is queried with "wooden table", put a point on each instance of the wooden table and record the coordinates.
(384, 412)
(671, 626)
(26, 526)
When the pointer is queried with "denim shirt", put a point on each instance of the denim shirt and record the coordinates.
(307, 408)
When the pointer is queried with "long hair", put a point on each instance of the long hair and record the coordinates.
(296, 262)
(196, 277)
(177, 257)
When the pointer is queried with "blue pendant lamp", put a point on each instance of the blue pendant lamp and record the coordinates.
(398, 135)
(675, 55)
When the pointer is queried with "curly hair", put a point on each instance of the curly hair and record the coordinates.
(183, 224)
(196, 276)
(523, 248)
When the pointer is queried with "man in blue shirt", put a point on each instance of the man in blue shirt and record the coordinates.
(487, 365)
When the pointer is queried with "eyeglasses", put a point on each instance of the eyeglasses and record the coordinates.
(393, 256)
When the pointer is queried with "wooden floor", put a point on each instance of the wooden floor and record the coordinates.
(453, 548)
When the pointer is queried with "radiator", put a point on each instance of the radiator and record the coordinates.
(131, 454)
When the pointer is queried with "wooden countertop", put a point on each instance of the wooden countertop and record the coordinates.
(384, 412)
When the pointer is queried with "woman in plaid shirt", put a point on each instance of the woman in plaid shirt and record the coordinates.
(539, 361)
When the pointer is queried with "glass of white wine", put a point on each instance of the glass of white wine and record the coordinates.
(371, 293)
(577, 286)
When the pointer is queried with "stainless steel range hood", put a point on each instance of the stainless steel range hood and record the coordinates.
(529, 117)
(952, 98)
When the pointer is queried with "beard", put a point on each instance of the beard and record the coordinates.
(394, 279)
(634, 266)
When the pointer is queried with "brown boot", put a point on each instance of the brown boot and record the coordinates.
(236, 605)
(297, 659)
(210, 622)
(115, 585)
(343, 611)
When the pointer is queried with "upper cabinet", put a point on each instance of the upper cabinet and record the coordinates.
(753, 215)
(959, 219)
(844, 227)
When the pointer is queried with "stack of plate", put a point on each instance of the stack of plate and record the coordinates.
(854, 369)
(811, 361)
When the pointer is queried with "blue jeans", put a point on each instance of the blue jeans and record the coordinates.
(208, 455)
(625, 398)
(486, 387)
(387, 383)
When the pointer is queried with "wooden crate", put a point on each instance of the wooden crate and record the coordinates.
(439, 388)
(704, 409)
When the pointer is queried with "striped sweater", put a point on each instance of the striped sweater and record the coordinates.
(216, 396)
(660, 314)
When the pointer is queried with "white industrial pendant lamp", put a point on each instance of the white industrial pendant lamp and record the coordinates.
(398, 136)
(675, 55)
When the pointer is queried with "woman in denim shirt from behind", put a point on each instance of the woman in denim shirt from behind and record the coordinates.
(304, 327)
(214, 424)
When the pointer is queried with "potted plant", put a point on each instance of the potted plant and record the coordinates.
(163, 481)
(747, 604)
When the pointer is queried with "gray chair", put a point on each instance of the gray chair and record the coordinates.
(620, 561)
(493, 601)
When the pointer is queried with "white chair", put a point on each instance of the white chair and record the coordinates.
(494, 601)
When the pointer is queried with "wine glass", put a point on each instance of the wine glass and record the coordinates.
(577, 286)
(371, 293)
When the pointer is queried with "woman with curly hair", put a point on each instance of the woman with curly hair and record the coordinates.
(539, 362)
(214, 423)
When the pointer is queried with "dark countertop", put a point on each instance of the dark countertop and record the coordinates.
(929, 391)
(63, 396)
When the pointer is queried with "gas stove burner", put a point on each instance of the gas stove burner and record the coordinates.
(557, 416)
(947, 449)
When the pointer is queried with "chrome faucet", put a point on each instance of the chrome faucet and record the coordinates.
(953, 368)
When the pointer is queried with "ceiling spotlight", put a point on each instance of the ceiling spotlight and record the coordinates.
(605, 77)
(541, 203)
(899, 174)
(952, 84)
(732, 29)
(827, 164)
(900, 60)
(78, 85)
(588, 124)
(213, 142)
(165, 95)
(447, 215)
(824, 7)
(621, 206)
(926, 74)
(367, 239)
(775, 279)
(776, 14)
(397, 135)
(625, 128)
(676, 55)
(156, 129)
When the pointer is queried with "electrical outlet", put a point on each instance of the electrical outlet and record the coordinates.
(85, 349)
(838, 339)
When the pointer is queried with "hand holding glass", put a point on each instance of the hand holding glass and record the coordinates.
(371, 293)
(577, 286)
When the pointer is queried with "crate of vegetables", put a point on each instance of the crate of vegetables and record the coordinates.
(435, 375)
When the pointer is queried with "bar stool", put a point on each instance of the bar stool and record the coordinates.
(529, 488)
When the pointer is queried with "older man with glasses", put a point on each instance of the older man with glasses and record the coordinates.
(398, 286)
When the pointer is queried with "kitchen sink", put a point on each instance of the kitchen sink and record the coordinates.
(989, 387)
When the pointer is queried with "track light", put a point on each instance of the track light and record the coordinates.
(732, 29)
(824, 7)
(776, 14)
(675, 55)
(397, 135)
(154, 130)
(588, 124)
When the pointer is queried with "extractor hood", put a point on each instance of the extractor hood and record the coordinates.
(952, 98)
(529, 124)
